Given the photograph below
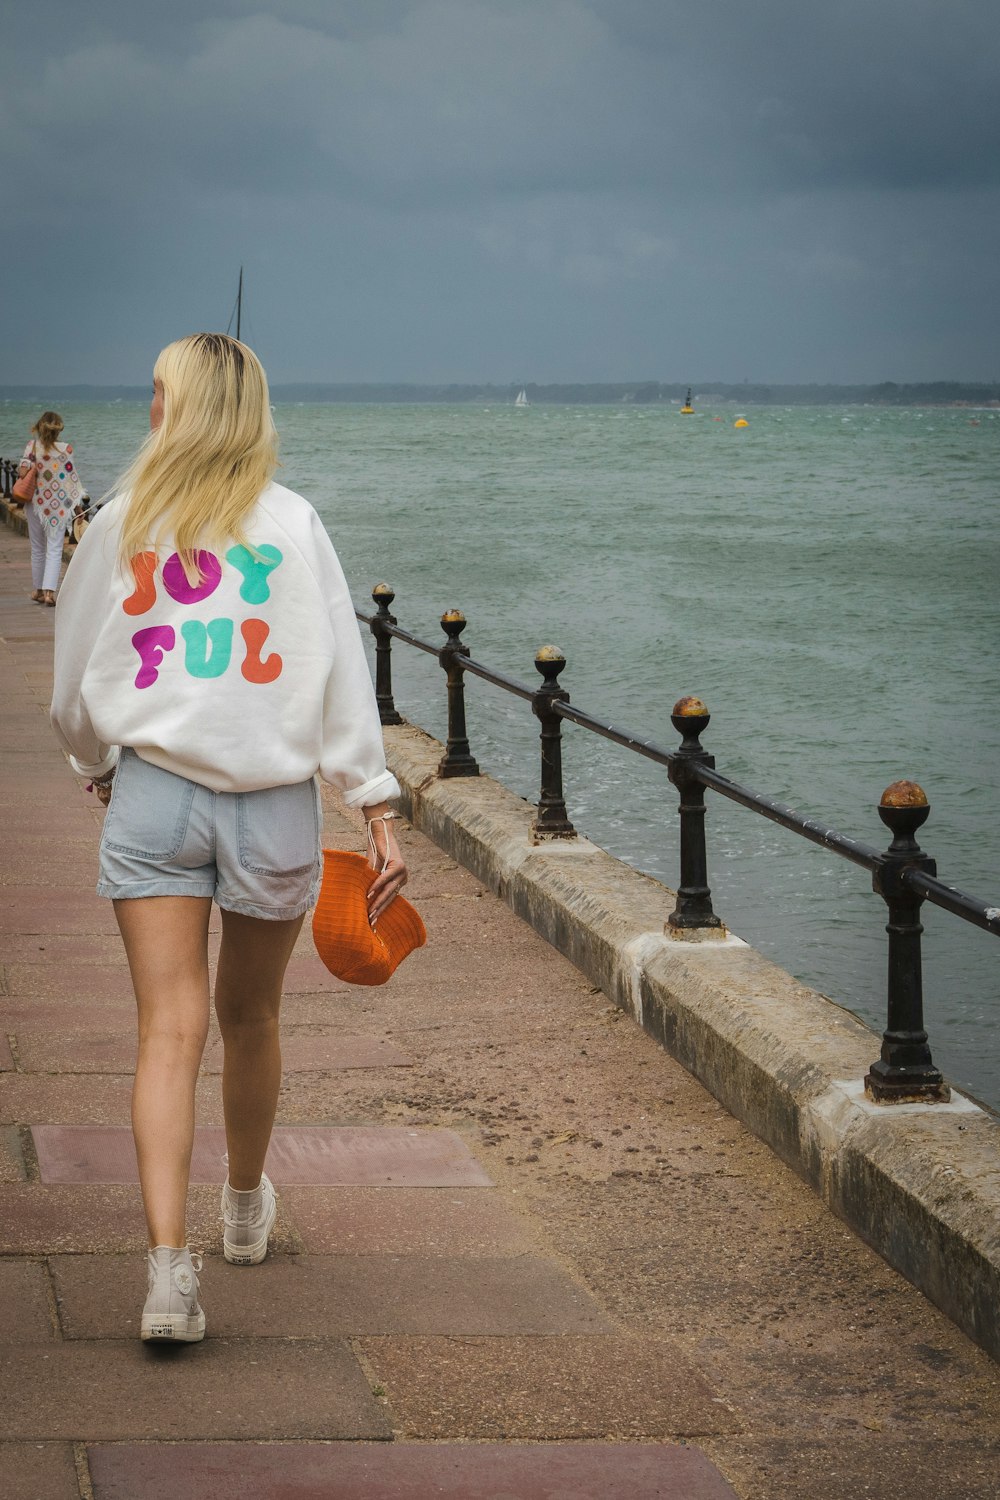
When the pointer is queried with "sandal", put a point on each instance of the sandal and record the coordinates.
(49, 598)
(38, 597)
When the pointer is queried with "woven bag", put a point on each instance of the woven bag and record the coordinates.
(349, 946)
(24, 488)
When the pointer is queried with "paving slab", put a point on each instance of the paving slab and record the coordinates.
(44, 909)
(571, 1387)
(406, 1471)
(31, 983)
(39, 1471)
(25, 1316)
(6, 1056)
(68, 952)
(342, 1296)
(856, 1463)
(68, 1097)
(220, 1388)
(11, 1155)
(327, 1156)
(79, 1045)
(313, 1052)
(406, 1221)
(39, 1219)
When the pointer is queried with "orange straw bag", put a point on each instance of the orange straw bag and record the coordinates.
(346, 942)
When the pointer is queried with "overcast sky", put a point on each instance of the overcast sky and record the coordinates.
(508, 190)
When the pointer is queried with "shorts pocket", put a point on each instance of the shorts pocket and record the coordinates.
(149, 810)
(277, 829)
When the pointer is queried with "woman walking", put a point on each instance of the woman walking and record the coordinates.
(208, 665)
(57, 491)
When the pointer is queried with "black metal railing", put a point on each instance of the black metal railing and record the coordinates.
(9, 468)
(903, 875)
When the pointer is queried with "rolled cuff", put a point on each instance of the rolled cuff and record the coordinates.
(100, 769)
(380, 790)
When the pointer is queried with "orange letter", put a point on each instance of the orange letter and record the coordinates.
(255, 633)
(143, 571)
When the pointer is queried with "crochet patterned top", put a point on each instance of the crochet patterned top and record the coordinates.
(57, 484)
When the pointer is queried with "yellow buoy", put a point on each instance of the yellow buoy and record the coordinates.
(741, 422)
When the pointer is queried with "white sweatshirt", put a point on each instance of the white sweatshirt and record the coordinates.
(255, 678)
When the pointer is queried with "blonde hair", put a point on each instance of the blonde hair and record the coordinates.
(47, 428)
(198, 476)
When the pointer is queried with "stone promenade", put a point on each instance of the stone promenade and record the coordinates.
(520, 1253)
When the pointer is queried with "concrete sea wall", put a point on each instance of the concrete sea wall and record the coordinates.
(920, 1183)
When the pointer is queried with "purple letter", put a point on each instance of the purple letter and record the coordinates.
(175, 580)
(151, 644)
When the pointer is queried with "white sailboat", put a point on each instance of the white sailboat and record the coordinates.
(521, 399)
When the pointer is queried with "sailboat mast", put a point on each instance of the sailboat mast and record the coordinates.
(239, 304)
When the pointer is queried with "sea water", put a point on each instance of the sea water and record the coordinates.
(827, 579)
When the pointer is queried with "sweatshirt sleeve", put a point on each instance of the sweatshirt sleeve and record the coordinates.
(79, 615)
(353, 755)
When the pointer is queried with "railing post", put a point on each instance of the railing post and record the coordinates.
(694, 898)
(905, 1072)
(8, 475)
(551, 819)
(458, 759)
(383, 596)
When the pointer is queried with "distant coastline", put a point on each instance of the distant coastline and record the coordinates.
(638, 393)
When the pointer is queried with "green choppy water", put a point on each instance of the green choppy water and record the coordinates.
(825, 579)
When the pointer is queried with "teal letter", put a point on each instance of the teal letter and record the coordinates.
(197, 659)
(254, 588)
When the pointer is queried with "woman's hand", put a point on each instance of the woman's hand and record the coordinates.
(103, 794)
(390, 881)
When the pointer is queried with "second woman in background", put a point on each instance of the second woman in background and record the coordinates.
(57, 491)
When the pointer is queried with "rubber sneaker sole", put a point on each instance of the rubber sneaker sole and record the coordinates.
(172, 1328)
(251, 1255)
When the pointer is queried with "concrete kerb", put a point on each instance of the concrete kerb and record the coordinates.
(920, 1183)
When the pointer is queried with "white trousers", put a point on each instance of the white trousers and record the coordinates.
(46, 549)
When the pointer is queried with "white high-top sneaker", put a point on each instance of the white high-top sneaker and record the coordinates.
(171, 1313)
(248, 1218)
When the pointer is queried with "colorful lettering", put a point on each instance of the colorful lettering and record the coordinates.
(175, 579)
(143, 567)
(207, 648)
(255, 588)
(255, 633)
(151, 643)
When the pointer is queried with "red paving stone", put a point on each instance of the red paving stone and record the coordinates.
(321, 1155)
(30, 983)
(43, 909)
(405, 1471)
(345, 1296)
(55, 949)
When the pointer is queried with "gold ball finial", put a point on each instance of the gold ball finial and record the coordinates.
(904, 794)
(689, 708)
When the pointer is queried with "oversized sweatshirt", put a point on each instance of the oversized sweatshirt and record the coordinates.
(254, 677)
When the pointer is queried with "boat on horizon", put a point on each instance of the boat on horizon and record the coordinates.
(521, 399)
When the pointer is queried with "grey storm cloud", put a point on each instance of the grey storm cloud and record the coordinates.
(484, 188)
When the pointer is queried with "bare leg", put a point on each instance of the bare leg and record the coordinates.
(252, 963)
(166, 940)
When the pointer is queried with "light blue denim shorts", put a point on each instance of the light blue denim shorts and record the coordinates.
(257, 853)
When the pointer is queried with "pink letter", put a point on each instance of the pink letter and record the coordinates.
(175, 579)
(151, 643)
